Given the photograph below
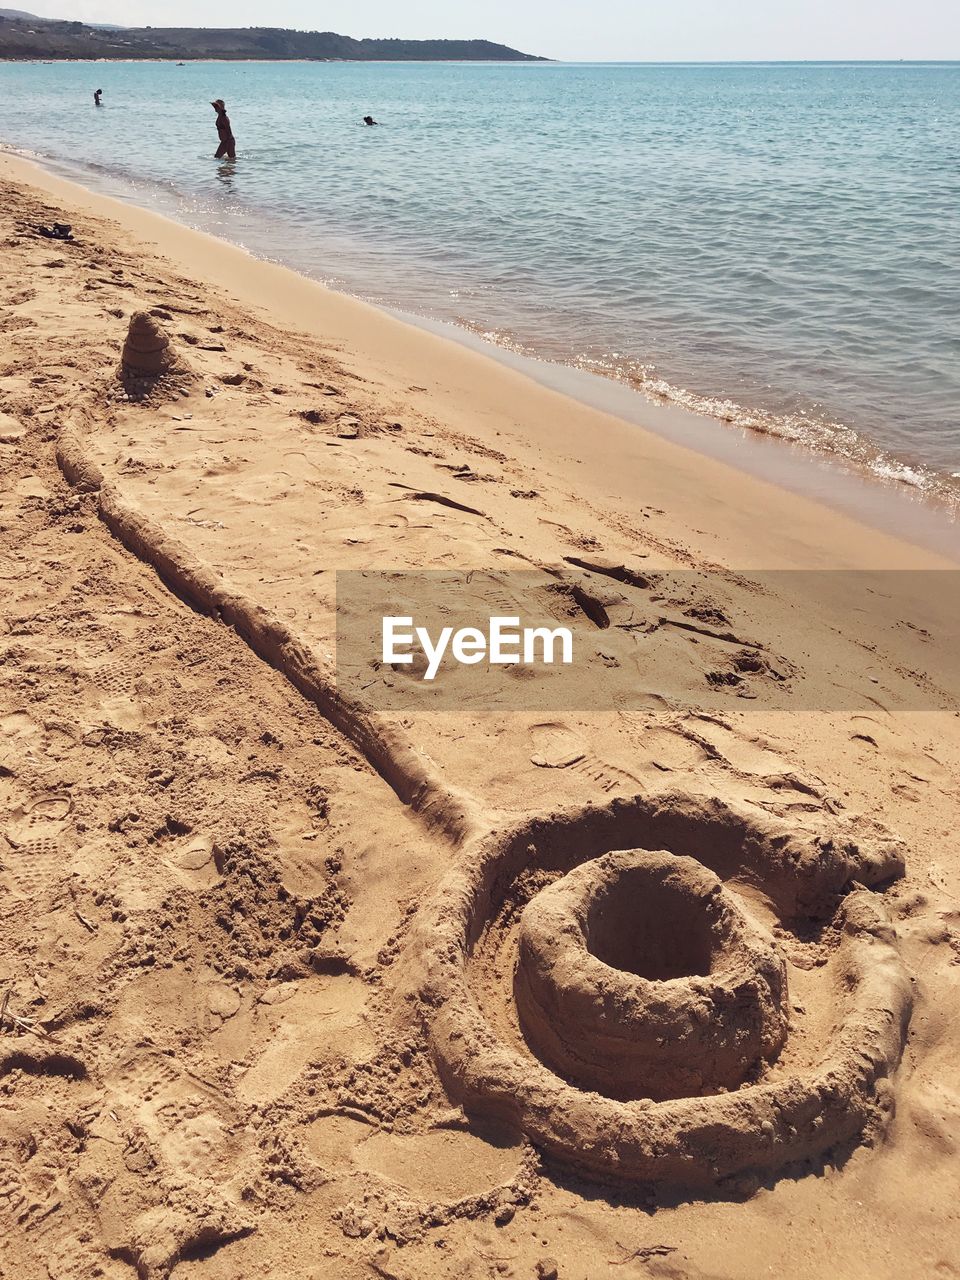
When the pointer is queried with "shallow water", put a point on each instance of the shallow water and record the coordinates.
(776, 245)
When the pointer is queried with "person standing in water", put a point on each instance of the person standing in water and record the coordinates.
(97, 95)
(228, 144)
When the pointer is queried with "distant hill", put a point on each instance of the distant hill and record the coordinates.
(32, 19)
(31, 37)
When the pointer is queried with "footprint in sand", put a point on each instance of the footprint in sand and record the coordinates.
(525, 595)
(43, 817)
(34, 864)
(899, 752)
(445, 1165)
(195, 1144)
(169, 1120)
(557, 746)
(120, 707)
(152, 1077)
(752, 758)
(114, 678)
(37, 1224)
(192, 862)
(37, 852)
(668, 750)
(747, 753)
(318, 1020)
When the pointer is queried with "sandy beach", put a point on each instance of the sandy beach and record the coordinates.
(296, 985)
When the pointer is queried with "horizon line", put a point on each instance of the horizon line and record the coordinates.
(537, 60)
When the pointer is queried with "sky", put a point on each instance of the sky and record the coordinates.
(583, 30)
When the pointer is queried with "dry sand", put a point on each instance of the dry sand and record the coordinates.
(294, 987)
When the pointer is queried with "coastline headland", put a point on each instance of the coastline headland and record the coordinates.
(29, 38)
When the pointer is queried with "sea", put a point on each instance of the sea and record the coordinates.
(774, 246)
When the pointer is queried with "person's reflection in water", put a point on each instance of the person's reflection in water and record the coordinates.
(226, 172)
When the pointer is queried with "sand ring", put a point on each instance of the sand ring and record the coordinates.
(496, 1060)
(638, 975)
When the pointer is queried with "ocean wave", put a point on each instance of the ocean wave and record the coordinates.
(822, 435)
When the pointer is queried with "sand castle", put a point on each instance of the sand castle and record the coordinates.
(146, 349)
(148, 358)
(600, 1065)
(639, 975)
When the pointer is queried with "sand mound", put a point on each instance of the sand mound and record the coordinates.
(149, 360)
(146, 350)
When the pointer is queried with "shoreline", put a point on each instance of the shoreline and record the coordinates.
(845, 488)
(839, 483)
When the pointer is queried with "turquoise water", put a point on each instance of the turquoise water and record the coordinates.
(776, 245)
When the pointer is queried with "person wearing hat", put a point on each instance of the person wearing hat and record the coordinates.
(228, 144)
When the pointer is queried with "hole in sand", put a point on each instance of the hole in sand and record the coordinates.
(651, 926)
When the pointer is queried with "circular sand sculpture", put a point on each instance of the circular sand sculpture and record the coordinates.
(638, 975)
(538, 1016)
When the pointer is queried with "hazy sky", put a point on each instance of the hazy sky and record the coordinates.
(584, 29)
